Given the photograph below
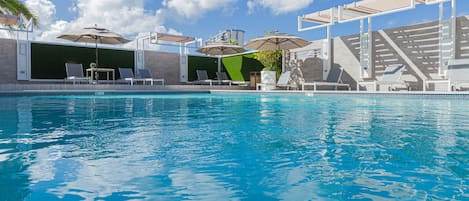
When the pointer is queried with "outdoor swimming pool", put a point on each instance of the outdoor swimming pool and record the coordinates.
(233, 147)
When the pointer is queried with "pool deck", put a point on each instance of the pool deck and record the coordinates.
(100, 89)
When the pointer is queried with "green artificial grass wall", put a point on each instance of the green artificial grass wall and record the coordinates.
(48, 61)
(238, 67)
(202, 63)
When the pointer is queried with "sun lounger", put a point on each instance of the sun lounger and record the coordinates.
(146, 75)
(334, 78)
(457, 74)
(223, 78)
(127, 75)
(75, 73)
(283, 82)
(202, 77)
(392, 76)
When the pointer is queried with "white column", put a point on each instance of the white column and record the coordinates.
(23, 60)
(183, 63)
(327, 54)
(371, 56)
(453, 28)
(219, 63)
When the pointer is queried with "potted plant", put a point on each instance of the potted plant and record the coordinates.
(271, 59)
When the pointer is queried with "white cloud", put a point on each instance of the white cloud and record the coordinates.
(128, 18)
(278, 6)
(194, 9)
(43, 9)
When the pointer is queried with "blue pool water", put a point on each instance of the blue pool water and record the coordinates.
(233, 147)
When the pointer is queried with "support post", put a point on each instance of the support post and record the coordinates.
(366, 49)
(327, 54)
(440, 33)
(371, 56)
(363, 65)
(453, 28)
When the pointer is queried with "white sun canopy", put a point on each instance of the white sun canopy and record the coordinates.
(359, 10)
(321, 17)
(172, 38)
(9, 19)
(15, 23)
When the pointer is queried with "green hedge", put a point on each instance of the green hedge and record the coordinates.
(48, 61)
(209, 64)
(237, 67)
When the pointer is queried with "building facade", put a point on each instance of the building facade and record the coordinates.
(229, 36)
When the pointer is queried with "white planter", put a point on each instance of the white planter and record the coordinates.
(269, 80)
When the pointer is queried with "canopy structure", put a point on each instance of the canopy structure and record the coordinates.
(370, 8)
(367, 9)
(15, 23)
(9, 19)
(359, 10)
(168, 40)
(325, 17)
(171, 38)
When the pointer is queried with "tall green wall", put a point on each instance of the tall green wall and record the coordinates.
(48, 61)
(237, 67)
(209, 64)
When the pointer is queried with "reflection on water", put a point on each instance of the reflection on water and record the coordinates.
(233, 147)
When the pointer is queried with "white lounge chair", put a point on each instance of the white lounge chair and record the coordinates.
(334, 78)
(127, 75)
(283, 82)
(392, 76)
(456, 74)
(75, 73)
(146, 75)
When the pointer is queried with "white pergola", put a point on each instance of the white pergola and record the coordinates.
(8, 19)
(15, 23)
(367, 9)
(22, 27)
(169, 40)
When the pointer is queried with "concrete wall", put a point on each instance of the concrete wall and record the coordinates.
(163, 65)
(8, 61)
(416, 46)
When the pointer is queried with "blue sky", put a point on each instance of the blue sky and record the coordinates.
(205, 18)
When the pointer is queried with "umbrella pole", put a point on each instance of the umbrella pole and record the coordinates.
(96, 46)
(219, 63)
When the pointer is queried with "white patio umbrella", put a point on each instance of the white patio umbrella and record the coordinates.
(94, 35)
(277, 41)
(220, 50)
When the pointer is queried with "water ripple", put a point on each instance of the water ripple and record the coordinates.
(233, 147)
